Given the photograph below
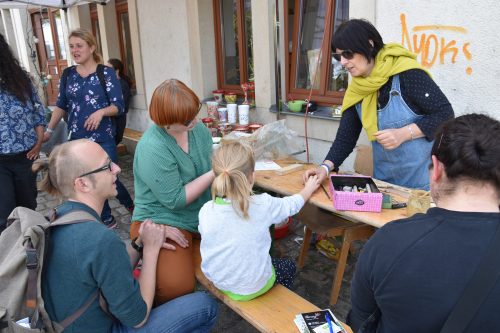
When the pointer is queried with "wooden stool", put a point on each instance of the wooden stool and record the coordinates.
(328, 224)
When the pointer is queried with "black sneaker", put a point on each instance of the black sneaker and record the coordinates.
(110, 223)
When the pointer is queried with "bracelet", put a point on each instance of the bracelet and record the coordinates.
(326, 167)
(49, 130)
(411, 132)
(136, 246)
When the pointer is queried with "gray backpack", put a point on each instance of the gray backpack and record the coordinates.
(22, 255)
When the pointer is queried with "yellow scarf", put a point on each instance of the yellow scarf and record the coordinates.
(390, 60)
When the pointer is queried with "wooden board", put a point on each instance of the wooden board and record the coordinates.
(272, 312)
(132, 134)
(292, 183)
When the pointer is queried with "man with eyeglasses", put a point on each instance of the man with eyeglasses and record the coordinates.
(84, 176)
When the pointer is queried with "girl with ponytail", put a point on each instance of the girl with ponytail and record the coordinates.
(234, 227)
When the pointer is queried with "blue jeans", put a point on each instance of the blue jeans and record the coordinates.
(123, 196)
(191, 313)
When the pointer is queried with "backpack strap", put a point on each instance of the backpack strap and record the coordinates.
(75, 315)
(102, 80)
(32, 260)
(476, 291)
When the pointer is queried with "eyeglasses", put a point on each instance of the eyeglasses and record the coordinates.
(346, 54)
(108, 166)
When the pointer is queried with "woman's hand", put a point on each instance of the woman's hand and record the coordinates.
(320, 172)
(392, 138)
(175, 235)
(93, 121)
(34, 152)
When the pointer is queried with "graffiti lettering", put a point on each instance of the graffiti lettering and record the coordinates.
(430, 48)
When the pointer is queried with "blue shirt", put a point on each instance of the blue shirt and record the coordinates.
(83, 96)
(18, 122)
(82, 258)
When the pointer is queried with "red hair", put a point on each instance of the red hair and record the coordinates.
(173, 103)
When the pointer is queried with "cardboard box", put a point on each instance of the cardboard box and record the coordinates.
(356, 201)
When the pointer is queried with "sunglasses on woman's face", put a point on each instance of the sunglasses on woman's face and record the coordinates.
(346, 54)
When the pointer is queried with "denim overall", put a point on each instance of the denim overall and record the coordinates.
(408, 164)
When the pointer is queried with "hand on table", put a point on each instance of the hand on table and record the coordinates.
(319, 172)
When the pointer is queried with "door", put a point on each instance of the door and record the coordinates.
(51, 47)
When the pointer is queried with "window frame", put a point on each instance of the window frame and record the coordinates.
(121, 7)
(219, 44)
(322, 96)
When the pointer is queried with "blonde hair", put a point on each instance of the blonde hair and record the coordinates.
(173, 102)
(90, 40)
(63, 166)
(233, 164)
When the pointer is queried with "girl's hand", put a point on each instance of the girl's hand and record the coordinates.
(310, 186)
(392, 138)
(319, 173)
(93, 121)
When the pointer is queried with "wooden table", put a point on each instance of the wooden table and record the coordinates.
(319, 215)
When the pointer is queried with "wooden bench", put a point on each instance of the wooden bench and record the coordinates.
(131, 138)
(272, 312)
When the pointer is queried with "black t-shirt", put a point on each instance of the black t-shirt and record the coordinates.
(414, 270)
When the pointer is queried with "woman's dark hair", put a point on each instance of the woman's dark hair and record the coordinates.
(355, 35)
(118, 65)
(469, 148)
(13, 78)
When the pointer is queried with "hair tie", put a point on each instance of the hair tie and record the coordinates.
(225, 172)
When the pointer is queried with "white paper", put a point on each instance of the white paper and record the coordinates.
(25, 322)
(264, 165)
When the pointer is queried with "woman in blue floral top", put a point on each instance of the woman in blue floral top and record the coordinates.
(91, 110)
(22, 122)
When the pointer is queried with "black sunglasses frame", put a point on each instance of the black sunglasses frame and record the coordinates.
(108, 166)
(346, 54)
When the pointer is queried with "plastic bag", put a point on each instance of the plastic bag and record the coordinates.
(270, 142)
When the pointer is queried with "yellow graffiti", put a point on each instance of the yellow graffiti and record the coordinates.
(430, 48)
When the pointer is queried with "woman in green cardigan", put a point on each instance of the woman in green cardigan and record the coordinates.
(172, 176)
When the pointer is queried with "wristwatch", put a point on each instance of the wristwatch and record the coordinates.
(136, 246)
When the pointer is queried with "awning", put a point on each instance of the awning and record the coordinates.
(47, 3)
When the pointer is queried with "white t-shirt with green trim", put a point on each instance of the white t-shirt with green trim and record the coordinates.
(235, 251)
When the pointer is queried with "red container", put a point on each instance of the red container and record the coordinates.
(281, 230)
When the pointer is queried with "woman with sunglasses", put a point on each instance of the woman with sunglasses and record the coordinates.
(90, 107)
(172, 176)
(393, 98)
